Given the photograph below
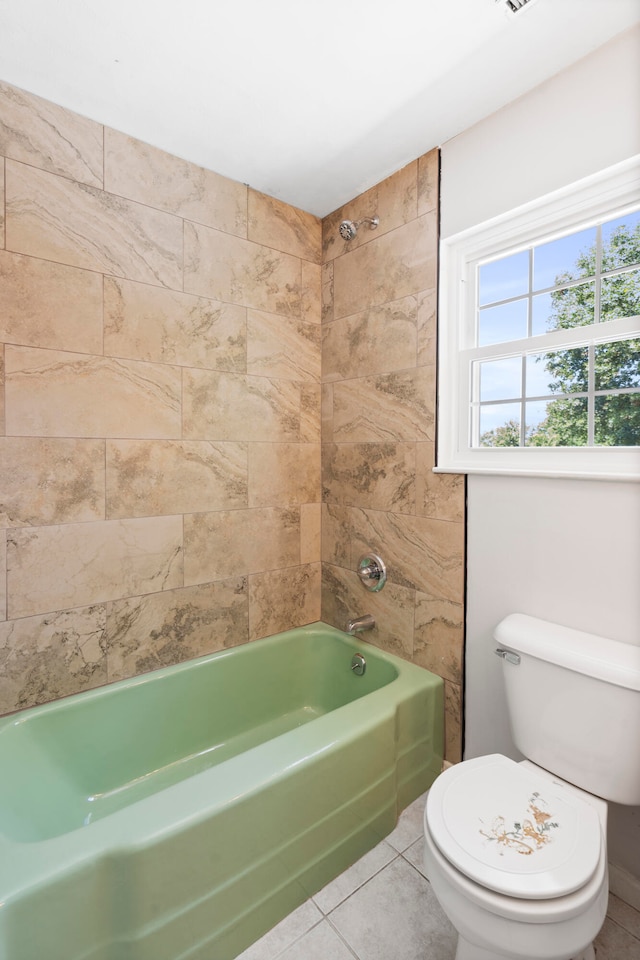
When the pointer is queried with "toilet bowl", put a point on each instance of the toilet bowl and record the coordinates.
(562, 888)
(516, 851)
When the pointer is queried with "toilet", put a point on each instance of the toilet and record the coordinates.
(516, 852)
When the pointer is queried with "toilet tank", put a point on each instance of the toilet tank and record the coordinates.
(574, 704)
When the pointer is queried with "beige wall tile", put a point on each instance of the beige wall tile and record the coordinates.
(282, 347)
(310, 532)
(380, 476)
(326, 421)
(283, 227)
(337, 535)
(439, 495)
(439, 636)
(344, 599)
(148, 175)
(238, 271)
(452, 722)
(3, 576)
(427, 328)
(56, 219)
(50, 137)
(283, 474)
(428, 182)
(283, 599)
(310, 412)
(52, 568)
(50, 481)
(2, 202)
(151, 323)
(161, 629)
(50, 393)
(237, 542)
(390, 267)
(2, 382)
(379, 299)
(44, 304)
(425, 554)
(378, 340)
(161, 477)
(397, 198)
(42, 658)
(395, 406)
(224, 406)
(311, 291)
(326, 292)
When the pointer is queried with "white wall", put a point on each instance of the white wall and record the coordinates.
(564, 550)
(581, 121)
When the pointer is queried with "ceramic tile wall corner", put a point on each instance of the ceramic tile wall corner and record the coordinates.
(147, 397)
(378, 428)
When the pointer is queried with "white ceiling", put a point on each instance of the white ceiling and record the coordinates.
(311, 101)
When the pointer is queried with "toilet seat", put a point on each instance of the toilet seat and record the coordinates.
(512, 830)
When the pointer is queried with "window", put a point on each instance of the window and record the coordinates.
(539, 340)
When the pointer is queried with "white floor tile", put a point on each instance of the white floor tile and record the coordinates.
(395, 915)
(353, 878)
(284, 933)
(615, 943)
(624, 915)
(415, 855)
(382, 908)
(321, 943)
(409, 827)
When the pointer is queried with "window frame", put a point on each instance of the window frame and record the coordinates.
(599, 197)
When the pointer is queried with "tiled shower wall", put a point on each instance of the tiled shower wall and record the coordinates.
(160, 449)
(379, 392)
(160, 467)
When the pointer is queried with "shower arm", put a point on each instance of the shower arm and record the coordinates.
(372, 221)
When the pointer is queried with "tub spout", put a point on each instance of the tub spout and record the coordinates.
(367, 622)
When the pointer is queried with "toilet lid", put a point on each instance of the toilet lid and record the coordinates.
(513, 831)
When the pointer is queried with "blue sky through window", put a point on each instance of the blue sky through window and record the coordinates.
(505, 278)
(507, 321)
(555, 262)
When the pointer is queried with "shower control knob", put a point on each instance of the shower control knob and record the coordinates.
(372, 571)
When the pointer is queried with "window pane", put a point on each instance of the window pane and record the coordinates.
(567, 258)
(503, 323)
(620, 296)
(542, 317)
(500, 379)
(621, 241)
(617, 365)
(618, 420)
(562, 371)
(505, 278)
(500, 425)
(564, 309)
(556, 423)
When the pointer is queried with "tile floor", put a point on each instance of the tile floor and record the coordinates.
(383, 908)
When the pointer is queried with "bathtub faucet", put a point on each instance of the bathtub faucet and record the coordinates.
(367, 622)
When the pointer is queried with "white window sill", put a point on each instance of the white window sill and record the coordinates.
(617, 464)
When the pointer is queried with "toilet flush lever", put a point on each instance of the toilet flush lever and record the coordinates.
(508, 655)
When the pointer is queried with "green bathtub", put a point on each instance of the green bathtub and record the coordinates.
(181, 814)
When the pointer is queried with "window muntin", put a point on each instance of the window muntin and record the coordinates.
(586, 395)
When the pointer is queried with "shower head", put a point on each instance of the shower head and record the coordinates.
(349, 228)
